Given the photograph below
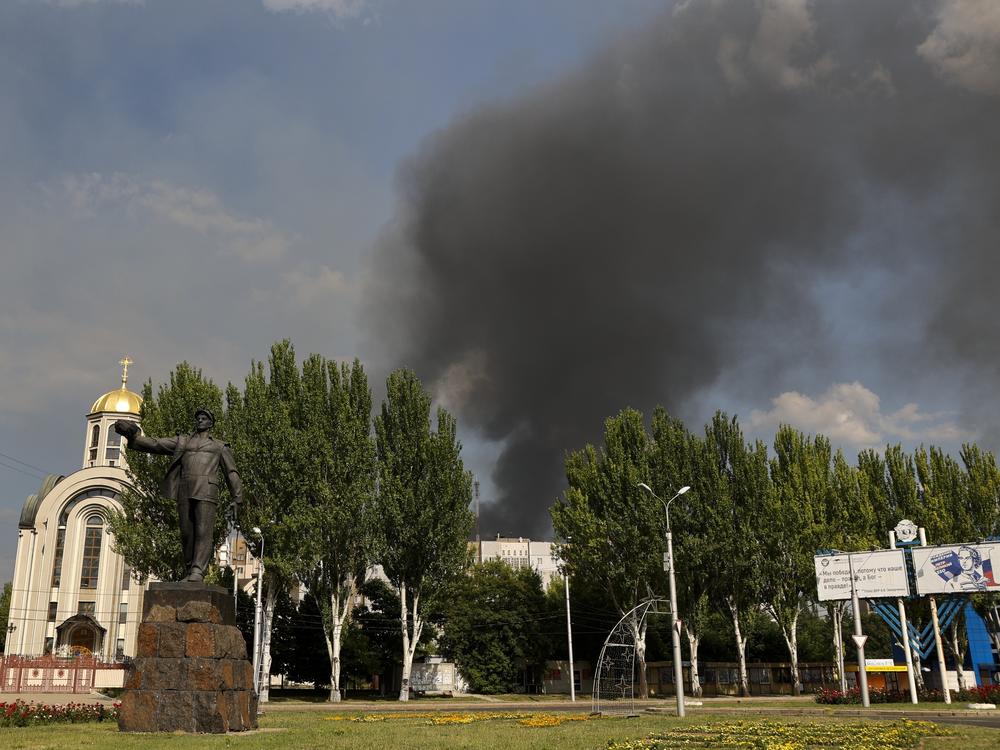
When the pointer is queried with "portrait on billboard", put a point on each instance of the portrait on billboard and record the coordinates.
(958, 569)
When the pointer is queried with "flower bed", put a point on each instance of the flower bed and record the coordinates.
(21, 714)
(780, 735)
(436, 718)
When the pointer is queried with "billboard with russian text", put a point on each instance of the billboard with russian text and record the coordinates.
(877, 574)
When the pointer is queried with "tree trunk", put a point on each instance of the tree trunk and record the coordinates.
(918, 671)
(693, 640)
(792, 641)
(639, 633)
(741, 648)
(993, 626)
(837, 617)
(340, 612)
(270, 598)
(410, 640)
(957, 652)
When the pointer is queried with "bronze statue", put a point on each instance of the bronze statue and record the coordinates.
(192, 480)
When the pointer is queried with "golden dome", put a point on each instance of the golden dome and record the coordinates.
(123, 400)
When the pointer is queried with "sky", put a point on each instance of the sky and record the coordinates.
(549, 209)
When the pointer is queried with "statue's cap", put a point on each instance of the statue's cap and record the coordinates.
(207, 413)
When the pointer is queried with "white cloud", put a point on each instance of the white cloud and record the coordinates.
(337, 8)
(251, 239)
(965, 45)
(851, 414)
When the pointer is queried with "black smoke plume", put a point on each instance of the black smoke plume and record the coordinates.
(657, 223)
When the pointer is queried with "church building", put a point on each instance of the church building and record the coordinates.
(72, 594)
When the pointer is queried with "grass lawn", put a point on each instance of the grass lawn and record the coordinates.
(309, 730)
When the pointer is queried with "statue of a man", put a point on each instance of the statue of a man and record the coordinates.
(193, 481)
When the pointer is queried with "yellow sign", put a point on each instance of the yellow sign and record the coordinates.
(877, 668)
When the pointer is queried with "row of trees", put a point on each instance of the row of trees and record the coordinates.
(332, 493)
(747, 532)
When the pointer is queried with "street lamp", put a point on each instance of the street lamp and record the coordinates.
(675, 625)
(257, 656)
(569, 631)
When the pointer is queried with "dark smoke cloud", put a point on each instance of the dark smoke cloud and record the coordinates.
(657, 221)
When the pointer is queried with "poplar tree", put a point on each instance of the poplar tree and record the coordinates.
(735, 482)
(339, 472)
(616, 528)
(791, 530)
(422, 504)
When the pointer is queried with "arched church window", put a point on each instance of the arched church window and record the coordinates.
(94, 531)
(95, 436)
(113, 450)
(57, 558)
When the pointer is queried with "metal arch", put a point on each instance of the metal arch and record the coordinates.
(614, 678)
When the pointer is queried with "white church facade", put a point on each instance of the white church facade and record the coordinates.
(72, 594)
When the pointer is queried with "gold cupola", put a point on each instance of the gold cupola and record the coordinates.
(120, 401)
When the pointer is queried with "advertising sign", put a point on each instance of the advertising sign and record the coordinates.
(876, 574)
(957, 568)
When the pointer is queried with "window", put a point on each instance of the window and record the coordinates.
(86, 608)
(113, 449)
(91, 552)
(126, 577)
(53, 608)
(95, 435)
(122, 613)
(120, 648)
(58, 557)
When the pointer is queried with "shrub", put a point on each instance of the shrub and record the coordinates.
(875, 695)
(983, 694)
(21, 714)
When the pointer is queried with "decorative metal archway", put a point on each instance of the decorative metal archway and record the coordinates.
(615, 676)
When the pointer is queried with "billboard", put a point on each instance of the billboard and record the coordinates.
(957, 568)
(876, 574)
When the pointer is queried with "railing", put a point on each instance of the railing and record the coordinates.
(53, 674)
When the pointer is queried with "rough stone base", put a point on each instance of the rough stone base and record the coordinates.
(191, 671)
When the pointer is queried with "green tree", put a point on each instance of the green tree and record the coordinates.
(4, 614)
(675, 461)
(423, 501)
(616, 529)
(493, 625)
(791, 530)
(146, 531)
(271, 458)
(734, 481)
(983, 496)
(335, 431)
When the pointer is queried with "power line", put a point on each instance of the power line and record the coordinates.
(24, 463)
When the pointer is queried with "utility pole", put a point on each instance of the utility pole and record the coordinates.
(257, 655)
(858, 637)
(905, 629)
(675, 624)
(942, 667)
(569, 637)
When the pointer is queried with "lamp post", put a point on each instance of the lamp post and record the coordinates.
(675, 625)
(569, 632)
(257, 616)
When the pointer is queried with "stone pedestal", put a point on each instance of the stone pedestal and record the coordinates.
(190, 671)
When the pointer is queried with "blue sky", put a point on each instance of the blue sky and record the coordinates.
(194, 179)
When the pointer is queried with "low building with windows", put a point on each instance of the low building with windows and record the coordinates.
(72, 594)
